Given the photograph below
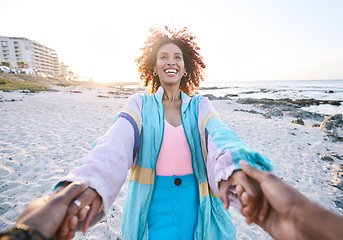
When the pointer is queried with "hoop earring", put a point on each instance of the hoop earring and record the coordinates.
(185, 74)
(154, 73)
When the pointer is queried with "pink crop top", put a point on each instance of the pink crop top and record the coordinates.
(175, 156)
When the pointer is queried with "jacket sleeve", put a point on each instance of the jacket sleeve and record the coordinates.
(107, 164)
(222, 149)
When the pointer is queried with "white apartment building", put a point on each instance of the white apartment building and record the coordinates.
(39, 57)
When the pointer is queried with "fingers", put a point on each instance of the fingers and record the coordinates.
(73, 223)
(83, 213)
(224, 193)
(245, 198)
(74, 220)
(251, 171)
(247, 208)
(92, 212)
(64, 229)
(250, 195)
(61, 187)
(239, 190)
(73, 190)
(264, 212)
(70, 235)
(69, 225)
(90, 202)
(69, 193)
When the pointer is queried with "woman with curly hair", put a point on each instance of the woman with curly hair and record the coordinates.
(184, 161)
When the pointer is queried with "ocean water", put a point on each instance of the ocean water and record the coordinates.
(331, 90)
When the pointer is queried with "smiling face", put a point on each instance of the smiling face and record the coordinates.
(170, 65)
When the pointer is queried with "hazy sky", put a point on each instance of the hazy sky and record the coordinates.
(240, 40)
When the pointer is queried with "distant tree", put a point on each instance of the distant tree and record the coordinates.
(22, 65)
(91, 79)
(4, 63)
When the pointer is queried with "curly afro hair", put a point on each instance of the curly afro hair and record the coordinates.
(192, 59)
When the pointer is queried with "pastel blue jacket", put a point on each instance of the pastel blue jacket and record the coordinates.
(134, 142)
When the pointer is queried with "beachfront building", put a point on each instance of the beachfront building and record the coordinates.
(39, 58)
(64, 70)
(67, 74)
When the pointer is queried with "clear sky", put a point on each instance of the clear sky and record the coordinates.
(240, 39)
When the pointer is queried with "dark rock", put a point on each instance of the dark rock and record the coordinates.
(286, 100)
(326, 158)
(316, 125)
(304, 114)
(231, 95)
(213, 88)
(264, 90)
(264, 102)
(306, 102)
(285, 106)
(248, 111)
(275, 112)
(25, 91)
(334, 154)
(249, 92)
(339, 186)
(212, 97)
(332, 121)
(113, 93)
(298, 121)
(330, 91)
(301, 102)
(119, 92)
(336, 103)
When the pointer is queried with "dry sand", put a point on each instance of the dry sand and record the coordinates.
(44, 135)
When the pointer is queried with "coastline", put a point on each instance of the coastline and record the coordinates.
(45, 134)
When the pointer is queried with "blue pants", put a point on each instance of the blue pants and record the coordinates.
(173, 212)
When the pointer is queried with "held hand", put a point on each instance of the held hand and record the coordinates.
(254, 204)
(284, 200)
(47, 213)
(90, 205)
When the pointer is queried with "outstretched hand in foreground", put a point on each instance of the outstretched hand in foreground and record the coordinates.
(47, 213)
(292, 215)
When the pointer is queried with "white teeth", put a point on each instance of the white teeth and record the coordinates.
(171, 71)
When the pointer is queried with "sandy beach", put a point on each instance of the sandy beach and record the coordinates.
(44, 135)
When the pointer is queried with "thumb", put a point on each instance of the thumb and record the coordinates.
(72, 190)
(251, 171)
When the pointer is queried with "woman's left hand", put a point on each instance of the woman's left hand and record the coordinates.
(254, 204)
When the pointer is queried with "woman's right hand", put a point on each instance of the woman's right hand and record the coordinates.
(91, 205)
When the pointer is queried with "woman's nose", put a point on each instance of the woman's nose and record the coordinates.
(171, 62)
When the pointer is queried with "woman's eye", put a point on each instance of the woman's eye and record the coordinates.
(163, 57)
(178, 57)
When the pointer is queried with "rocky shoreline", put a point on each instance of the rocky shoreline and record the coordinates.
(332, 125)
